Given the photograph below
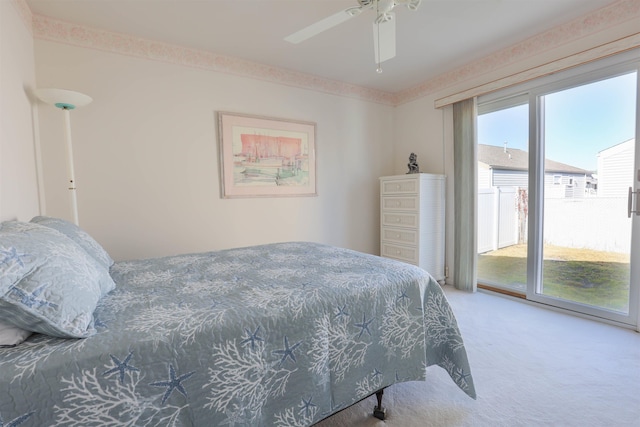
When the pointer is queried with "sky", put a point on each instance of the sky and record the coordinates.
(579, 122)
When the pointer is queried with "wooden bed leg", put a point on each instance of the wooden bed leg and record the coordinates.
(378, 411)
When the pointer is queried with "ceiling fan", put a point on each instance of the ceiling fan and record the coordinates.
(384, 25)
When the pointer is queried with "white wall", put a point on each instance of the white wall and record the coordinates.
(18, 178)
(428, 132)
(146, 155)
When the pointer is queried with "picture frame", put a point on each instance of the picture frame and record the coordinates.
(266, 157)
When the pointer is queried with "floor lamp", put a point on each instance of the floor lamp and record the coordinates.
(66, 100)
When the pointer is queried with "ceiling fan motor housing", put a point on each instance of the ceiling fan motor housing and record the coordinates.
(365, 3)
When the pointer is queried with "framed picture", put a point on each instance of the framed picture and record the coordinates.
(266, 157)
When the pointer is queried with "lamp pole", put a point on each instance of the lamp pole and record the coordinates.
(70, 171)
(67, 100)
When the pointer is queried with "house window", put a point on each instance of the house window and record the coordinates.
(557, 179)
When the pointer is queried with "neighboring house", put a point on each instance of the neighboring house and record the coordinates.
(615, 169)
(508, 167)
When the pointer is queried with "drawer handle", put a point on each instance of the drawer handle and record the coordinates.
(397, 186)
(398, 252)
(398, 220)
(397, 236)
(398, 203)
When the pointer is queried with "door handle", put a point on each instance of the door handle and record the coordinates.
(630, 202)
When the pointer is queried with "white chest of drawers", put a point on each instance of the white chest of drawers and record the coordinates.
(412, 220)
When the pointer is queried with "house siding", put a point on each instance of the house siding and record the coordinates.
(567, 186)
(484, 175)
(615, 170)
(510, 178)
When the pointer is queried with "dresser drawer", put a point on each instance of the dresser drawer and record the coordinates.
(400, 186)
(401, 253)
(399, 235)
(409, 203)
(399, 219)
(412, 220)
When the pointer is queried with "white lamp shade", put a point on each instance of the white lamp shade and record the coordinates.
(63, 98)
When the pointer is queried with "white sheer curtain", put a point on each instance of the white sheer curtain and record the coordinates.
(465, 197)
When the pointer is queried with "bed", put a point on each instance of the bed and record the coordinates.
(283, 334)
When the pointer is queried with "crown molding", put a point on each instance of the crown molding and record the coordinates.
(79, 35)
(51, 29)
(592, 23)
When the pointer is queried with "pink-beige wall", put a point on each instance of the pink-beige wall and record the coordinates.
(18, 177)
(147, 159)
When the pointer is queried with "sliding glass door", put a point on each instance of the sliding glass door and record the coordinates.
(586, 150)
(557, 163)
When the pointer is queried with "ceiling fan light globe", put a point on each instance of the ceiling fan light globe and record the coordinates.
(385, 6)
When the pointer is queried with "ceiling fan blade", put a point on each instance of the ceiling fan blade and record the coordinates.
(323, 25)
(384, 38)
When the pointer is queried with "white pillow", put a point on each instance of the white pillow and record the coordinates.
(11, 335)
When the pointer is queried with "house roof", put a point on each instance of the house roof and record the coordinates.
(515, 159)
(622, 146)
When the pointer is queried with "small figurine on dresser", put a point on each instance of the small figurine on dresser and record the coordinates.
(413, 163)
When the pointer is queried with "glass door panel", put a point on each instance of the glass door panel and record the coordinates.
(589, 150)
(503, 170)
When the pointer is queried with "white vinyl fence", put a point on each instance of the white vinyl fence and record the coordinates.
(598, 223)
(497, 218)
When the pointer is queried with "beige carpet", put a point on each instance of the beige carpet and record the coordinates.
(531, 367)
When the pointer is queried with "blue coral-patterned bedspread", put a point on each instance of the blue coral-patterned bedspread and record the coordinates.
(272, 335)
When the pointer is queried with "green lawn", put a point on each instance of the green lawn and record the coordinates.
(585, 276)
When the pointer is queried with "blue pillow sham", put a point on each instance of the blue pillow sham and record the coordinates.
(48, 283)
(78, 235)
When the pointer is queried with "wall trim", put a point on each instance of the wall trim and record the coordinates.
(597, 21)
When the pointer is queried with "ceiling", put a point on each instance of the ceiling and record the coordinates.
(440, 36)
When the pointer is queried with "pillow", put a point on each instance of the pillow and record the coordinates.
(79, 236)
(11, 335)
(48, 283)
